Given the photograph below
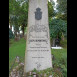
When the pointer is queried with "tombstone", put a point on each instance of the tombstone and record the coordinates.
(38, 49)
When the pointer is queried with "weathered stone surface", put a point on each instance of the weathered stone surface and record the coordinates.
(38, 49)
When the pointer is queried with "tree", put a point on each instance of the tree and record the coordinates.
(58, 28)
(61, 16)
(24, 16)
(62, 9)
(50, 10)
(14, 9)
(62, 6)
(18, 13)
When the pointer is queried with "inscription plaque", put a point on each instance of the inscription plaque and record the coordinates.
(38, 14)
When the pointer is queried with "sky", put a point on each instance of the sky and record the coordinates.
(49, 1)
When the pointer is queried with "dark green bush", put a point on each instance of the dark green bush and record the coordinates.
(63, 43)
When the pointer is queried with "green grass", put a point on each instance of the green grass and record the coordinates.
(64, 43)
(16, 49)
(59, 53)
(60, 56)
(60, 60)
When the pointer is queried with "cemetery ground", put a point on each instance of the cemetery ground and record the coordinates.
(17, 48)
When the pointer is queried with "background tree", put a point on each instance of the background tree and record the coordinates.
(23, 16)
(14, 9)
(51, 12)
(58, 28)
(18, 14)
(62, 9)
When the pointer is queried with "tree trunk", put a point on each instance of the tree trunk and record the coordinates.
(23, 29)
(15, 33)
(11, 27)
(62, 37)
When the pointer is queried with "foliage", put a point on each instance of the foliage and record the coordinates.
(62, 9)
(61, 16)
(16, 28)
(10, 34)
(24, 13)
(24, 16)
(62, 6)
(14, 7)
(57, 27)
(48, 72)
(18, 13)
(63, 43)
(51, 12)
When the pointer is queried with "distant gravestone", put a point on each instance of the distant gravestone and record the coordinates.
(38, 49)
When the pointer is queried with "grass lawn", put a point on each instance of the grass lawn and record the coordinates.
(60, 60)
(17, 48)
(59, 53)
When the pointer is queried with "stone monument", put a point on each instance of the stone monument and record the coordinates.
(38, 49)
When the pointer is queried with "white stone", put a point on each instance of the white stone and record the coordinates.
(56, 47)
(22, 64)
(11, 73)
(14, 70)
(17, 59)
(50, 76)
(38, 49)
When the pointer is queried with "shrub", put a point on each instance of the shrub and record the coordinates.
(63, 43)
